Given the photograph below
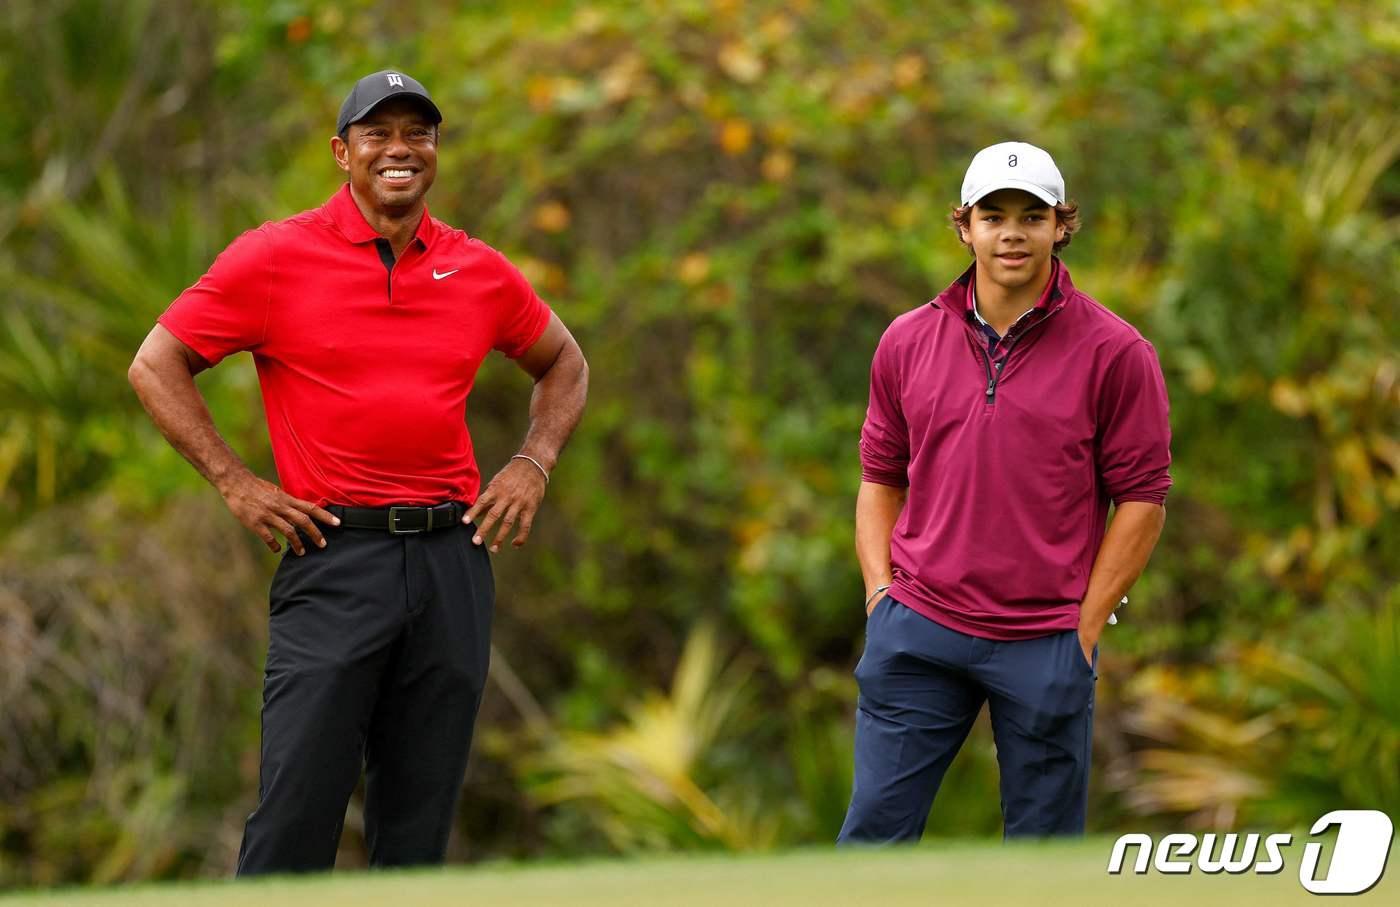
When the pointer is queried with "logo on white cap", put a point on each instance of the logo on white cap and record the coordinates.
(1013, 165)
(395, 80)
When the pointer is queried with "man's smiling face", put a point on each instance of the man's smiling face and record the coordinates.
(1012, 234)
(391, 155)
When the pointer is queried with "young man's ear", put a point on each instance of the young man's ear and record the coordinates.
(1059, 228)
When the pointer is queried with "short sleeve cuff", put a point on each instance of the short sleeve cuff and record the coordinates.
(536, 331)
(211, 355)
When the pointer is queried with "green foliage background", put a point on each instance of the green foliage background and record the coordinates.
(727, 202)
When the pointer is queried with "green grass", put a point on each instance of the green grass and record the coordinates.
(933, 874)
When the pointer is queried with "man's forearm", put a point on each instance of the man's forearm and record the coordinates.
(877, 510)
(556, 405)
(1126, 547)
(168, 392)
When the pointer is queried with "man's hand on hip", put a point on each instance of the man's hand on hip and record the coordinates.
(510, 499)
(266, 509)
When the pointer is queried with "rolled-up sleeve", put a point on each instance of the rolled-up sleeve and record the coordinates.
(1134, 431)
(884, 438)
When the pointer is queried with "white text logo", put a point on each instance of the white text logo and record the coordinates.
(395, 80)
(1358, 858)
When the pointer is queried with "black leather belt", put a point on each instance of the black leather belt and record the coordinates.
(400, 520)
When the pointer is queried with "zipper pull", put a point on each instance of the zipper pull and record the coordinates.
(991, 389)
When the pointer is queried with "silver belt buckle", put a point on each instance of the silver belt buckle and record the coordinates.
(394, 521)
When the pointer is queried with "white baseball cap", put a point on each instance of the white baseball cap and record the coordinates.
(1013, 165)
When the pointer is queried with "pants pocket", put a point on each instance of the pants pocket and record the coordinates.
(1077, 652)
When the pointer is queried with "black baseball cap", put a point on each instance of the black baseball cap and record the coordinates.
(378, 87)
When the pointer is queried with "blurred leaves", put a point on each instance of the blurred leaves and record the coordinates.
(125, 721)
(642, 780)
(1279, 737)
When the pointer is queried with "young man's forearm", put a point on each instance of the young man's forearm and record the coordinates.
(877, 510)
(1126, 546)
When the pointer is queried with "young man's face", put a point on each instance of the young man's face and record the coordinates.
(391, 155)
(1012, 234)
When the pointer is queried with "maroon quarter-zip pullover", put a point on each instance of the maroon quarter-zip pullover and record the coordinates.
(1011, 458)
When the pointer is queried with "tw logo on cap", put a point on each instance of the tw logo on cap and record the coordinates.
(395, 80)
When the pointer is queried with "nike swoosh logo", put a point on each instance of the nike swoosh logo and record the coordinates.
(437, 276)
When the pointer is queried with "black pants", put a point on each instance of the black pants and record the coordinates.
(378, 651)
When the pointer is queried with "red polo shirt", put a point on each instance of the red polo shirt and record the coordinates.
(365, 369)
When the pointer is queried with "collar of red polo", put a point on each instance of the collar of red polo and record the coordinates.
(352, 224)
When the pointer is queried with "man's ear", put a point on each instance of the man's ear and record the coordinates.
(341, 152)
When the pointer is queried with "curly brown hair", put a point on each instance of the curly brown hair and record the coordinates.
(1067, 214)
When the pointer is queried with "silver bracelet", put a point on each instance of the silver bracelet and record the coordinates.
(878, 590)
(537, 466)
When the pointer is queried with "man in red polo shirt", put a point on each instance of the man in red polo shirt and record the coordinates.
(368, 319)
(1005, 416)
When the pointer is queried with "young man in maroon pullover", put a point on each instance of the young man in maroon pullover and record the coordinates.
(1005, 416)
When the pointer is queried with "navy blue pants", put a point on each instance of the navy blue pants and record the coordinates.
(922, 686)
